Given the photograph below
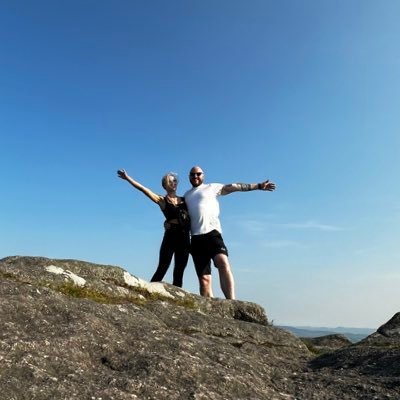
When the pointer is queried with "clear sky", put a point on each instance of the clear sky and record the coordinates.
(304, 93)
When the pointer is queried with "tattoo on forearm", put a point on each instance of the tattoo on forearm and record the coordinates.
(244, 187)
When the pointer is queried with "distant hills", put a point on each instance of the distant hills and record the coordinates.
(353, 334)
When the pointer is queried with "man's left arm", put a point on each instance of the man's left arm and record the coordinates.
(247, 187)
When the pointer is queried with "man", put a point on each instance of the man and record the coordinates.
(207, 243)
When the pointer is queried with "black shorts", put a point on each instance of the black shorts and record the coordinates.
(204, 248)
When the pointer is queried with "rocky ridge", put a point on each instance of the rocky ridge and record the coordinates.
(327, 343)
(78, 330)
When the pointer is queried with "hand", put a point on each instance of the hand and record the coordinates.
(267, 185)
(122, 174)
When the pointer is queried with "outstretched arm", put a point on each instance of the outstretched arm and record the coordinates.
(246, 187)
(150, 194)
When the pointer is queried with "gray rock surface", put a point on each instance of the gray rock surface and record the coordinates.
(392, 328)
(77, 330)
(378, 355)
(326, 343)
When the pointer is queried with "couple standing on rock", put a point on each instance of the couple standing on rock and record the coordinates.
(203, 226)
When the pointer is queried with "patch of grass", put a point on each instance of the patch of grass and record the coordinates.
(186, 301)
(73, 290)
(7, 275)
(154, 296)
(12, 277)
(310, 346)
(138, 295)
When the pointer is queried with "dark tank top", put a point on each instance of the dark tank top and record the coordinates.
(172, 212)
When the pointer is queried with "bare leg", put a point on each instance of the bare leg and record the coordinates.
(225, 275)
(206, 286)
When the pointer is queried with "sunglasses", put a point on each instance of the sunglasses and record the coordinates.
(193, 174)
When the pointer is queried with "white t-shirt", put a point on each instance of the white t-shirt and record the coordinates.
(203, 208)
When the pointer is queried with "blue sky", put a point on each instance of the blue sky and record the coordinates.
(305, 93)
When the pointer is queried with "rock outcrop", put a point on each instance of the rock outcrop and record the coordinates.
(377, 355)
(77, 330)
(327, 343)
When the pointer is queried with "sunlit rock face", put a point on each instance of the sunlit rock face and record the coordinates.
(77, 330)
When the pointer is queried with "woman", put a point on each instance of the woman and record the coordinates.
(177, 226)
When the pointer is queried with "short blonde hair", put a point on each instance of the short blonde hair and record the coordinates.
(165, 177)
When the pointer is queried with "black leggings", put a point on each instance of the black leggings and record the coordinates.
(175, 241)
